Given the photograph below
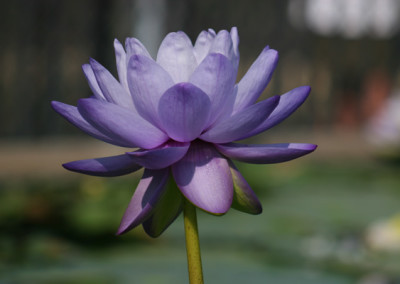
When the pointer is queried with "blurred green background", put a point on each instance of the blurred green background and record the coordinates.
(330, 217)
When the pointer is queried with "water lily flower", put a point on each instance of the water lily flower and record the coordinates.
(180, 115)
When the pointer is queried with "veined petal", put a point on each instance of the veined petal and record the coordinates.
(168, 209)
(239, 124)
(134, 47)
(244, 198)
(204, 178)
(184, 110)
(265, 154)
(121, 124)
(216, 77)
(202, 45)
(120, 57)
(256, 79)
(147, 195)
(71, 114)
(147, 82)
(91, 78)
(223, 44)
(288, 103)
(176, 56)
(104, 167)
(111, 88)
(162, 157)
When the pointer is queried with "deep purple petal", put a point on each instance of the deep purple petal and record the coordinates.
(202, 45)
(184, 110)
(265, 154)
(168, 209)
(160, 157)
(111, 88)
(120, 57)
(134, 47)
(239, 124)
(176, 56)
(104, 167)
(216, 77)
(71, 114)
(204, 178)
(91, 78)
(147, 82)
(256, 79)
(288, 103)
(121, 124)
(148, 193)
(244, 198)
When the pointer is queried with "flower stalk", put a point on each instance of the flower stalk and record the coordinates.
(192, 243)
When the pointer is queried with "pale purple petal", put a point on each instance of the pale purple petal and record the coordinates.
(104, 167)
(147, 194)
(111, 88)
(256, 79)
(176, 56)
(134, 47)
(120, 57)
(161, 157)
(202, 45)
(265, 154)
(184, 110)
(147, 82)
(288, 103)
(168, 209)
(235, 41)
(121, 124)
(91, 78)
(223, 44)
(204, 178)
(244, 198)
(234, 127)
(216, 77)
(72, 114)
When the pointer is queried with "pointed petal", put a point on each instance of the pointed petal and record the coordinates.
(265, 154)
(244, 198)
(202, 45)
(147, 82)
(204, 178)
(91, 78)
(120, 57)
(239, 124)
(235, 40)
(256, 79)
(288, 103)
(216, 77)
(176, 56)
(168, 209)
(223, 44)
(72, 115)
(145, 199)
(111, 88)
(121, 124)
(134, 47)
(184, 110)
(162, 157)
(104, 167)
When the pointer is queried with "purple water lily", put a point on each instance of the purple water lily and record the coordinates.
(183, 112)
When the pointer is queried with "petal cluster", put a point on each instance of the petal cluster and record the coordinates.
(182, 114)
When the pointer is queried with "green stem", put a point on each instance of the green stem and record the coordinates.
(192, 243)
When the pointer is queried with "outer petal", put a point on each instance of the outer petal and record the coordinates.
(184, 110)
(288, 103)
(104, 167)
(120, 57)
(111, 88)
(202, 45)
(265, 154)
(91, 78)
(204, 178)
(160, 157)
(244, 198)
(176, 56)
(72, 114)
(216, 77)
(147, 82)
(256, 79)
(239, 124)
(148, 193)
(168, 209)
(121, 124)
